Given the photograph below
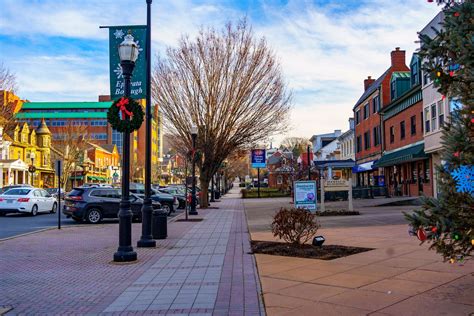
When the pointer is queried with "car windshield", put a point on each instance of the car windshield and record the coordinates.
(76, 192)
(17, 192)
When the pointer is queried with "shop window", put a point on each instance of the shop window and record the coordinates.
(427, 170)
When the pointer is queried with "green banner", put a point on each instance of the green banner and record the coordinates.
(138, 84)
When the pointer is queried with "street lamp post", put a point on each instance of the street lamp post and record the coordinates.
(194, 131)
(128, 52)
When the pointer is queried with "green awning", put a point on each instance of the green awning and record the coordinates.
(416, 152)
(76, 178)
(91, 178)
(101, 178)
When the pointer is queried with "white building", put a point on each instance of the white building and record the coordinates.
(435, 109)
(346, 141)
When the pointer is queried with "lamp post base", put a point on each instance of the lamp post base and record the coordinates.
(146, 243)
(125, 256)
(193, 213)
(146, 240)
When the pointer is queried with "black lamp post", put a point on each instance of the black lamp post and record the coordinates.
(146, 240)
(128, 52)
(194, 131)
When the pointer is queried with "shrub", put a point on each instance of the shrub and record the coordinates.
(295, 225)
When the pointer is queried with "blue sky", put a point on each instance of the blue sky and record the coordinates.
(326, 48)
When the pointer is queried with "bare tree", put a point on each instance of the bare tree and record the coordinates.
(8, 86)
(229, 85)
(297, 145)
(70, 146)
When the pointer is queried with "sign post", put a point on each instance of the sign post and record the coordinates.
(305, 195)
(259, 160)
(59, 167)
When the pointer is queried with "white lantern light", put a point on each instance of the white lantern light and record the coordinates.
(128, 49)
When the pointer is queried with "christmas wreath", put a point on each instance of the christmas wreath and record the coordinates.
(125, 115)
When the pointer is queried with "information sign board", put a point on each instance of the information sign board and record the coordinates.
(259, 158)
(305, 195)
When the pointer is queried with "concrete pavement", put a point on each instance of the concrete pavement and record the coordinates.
(399, 277)
(203, 268)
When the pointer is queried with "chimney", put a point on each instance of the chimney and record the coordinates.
(104, 98)
(368, 82)
(398, 59)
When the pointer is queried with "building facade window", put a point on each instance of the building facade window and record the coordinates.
(367, 140)
(357, 117)
(376, 133)
(366, 111)
(413, 125)
(427, 120)
(433, 117)
(392, 134)
(279, 180)
(376, 104)
(359, 144)
(402, 130)
(440, 113)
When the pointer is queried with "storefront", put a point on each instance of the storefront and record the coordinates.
(408, 171)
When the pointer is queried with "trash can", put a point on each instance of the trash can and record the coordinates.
(217, 195)
(159, 224)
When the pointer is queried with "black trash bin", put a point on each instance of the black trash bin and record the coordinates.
(159, 224)
(217, 195)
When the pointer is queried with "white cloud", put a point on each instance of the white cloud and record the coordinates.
(325, 54)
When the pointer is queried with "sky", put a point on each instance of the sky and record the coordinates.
(326, 48)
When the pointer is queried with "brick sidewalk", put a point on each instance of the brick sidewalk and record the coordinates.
(201, 269)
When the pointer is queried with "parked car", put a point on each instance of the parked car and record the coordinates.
(54, 192)
(94, 204)
(177, 192)
(27, 200)
(168, 202)
(96, 185)
(8, 187)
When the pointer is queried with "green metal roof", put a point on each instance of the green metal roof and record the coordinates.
(67, 115)
(412, 153)
(65, 105)
(400, 74)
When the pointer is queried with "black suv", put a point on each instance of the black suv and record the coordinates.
(95, 204)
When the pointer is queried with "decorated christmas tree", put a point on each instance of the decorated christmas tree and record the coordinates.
(447, 223)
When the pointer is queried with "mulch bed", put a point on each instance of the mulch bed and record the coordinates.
(338, 213)
(328, 252)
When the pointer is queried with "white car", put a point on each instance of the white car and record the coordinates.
(27, 200)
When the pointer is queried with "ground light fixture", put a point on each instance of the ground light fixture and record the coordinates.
(128, 52)
(318, 241)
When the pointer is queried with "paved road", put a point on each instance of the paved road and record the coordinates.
(17, 224)
(260, 213)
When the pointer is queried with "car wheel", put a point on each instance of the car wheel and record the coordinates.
(94, 216)
(167, 208)
(55, 208)
(34, 210)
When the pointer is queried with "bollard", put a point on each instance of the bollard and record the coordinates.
(159, 228)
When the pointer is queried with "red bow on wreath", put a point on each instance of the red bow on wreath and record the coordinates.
(122, 105)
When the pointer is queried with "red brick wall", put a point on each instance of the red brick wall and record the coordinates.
(414, 110)
(367, 125)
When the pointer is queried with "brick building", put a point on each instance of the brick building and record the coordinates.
(91, 118)
(407, 168)
(368, 132)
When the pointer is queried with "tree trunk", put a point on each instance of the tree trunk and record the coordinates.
(204, 192)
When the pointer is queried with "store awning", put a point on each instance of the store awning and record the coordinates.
(92, 178)
(416, 152)
(101, 179)
(336, 164)
(366, 166)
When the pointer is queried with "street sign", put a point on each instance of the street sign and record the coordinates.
(32, 169)
(138, 83)
(259, 158)
(58, 167)
(305, 195)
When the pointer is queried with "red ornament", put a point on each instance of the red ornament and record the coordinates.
(451, 73)
(472, 120)
(421, 234)
(434, 229)
(443, 97)
(122, 105)
(456, 14)
(456, 154)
